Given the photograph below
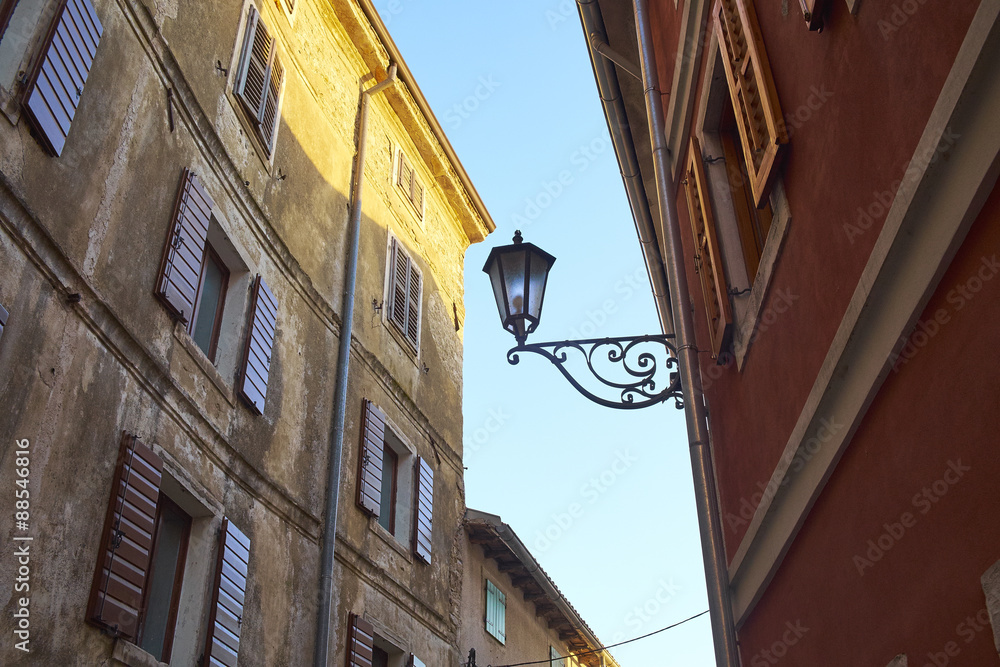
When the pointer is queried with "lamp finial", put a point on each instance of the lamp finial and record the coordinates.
(517, 236)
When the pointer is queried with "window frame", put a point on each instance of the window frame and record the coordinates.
(211, 255)
(6, 12)
(389, 453)
(748, 297)
(175, 595)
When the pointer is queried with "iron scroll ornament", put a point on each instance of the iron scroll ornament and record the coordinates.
(640, 368)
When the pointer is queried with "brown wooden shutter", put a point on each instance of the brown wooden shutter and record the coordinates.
(53, 91)
(259, 346)
(423, 504)
(269, 118)
(6, 11)
(225, 619)
(413, 306)
(399, 265)
(123, 560)
(184, 252)
(755, 100)
(812, 11)
(360, 642)
(708, 259)
(255, 63)
(370, 458)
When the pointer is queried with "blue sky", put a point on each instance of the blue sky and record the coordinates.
(602, 497)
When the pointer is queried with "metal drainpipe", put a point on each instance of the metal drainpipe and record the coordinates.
(628, 162)
(322, 649)
(709, 516)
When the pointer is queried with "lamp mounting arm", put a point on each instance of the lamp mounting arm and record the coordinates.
(635, 381)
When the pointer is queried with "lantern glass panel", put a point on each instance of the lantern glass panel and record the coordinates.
(539, 267)
(497, 282)
(513, 275)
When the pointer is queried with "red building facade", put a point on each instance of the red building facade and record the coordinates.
(835, 166)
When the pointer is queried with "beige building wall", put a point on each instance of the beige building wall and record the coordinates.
(88, 351)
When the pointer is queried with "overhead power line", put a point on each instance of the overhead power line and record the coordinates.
(603, 648)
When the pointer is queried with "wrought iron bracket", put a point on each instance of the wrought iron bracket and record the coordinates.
(638, 385)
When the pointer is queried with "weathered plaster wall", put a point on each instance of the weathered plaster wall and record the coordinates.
(73, 376)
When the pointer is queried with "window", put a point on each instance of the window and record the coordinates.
(56, 82)
(409, 185)
(555, 660)
(199, 270)
(403, 294)
(367, 648)
(3, 319)
(390, 478)
(259, 80)
(142, 556)
(387, 506)
(166, 572)
(289, 5)
(496, 612)
(207, 318)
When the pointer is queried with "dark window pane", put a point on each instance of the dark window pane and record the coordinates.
(386, 514)
(209, 305)
(165, 577)
(379, 658)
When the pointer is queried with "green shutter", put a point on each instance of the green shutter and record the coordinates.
(496, 612)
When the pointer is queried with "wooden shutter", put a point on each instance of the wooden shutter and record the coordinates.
(225, 620)
(755, 100)
(812, 11)
(56, 83)
(399, 267)
(360, 642)
(3, 319)
(123, 560)
(255, 63)
(184, 252)
(269, 119)
(6, 11)
(413, 306)
(404, 293)
(423, 510)
(708, 259)
(496, 612)
(259, 346)
(370, 458)
(414, 661)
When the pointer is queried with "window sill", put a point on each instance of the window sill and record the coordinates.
(748, 314)
(128, 654)
(182, 336)
(404, 345)
(391, 540)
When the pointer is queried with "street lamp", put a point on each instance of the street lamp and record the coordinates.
(519, 274)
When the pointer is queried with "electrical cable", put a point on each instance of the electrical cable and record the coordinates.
(603, 648)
